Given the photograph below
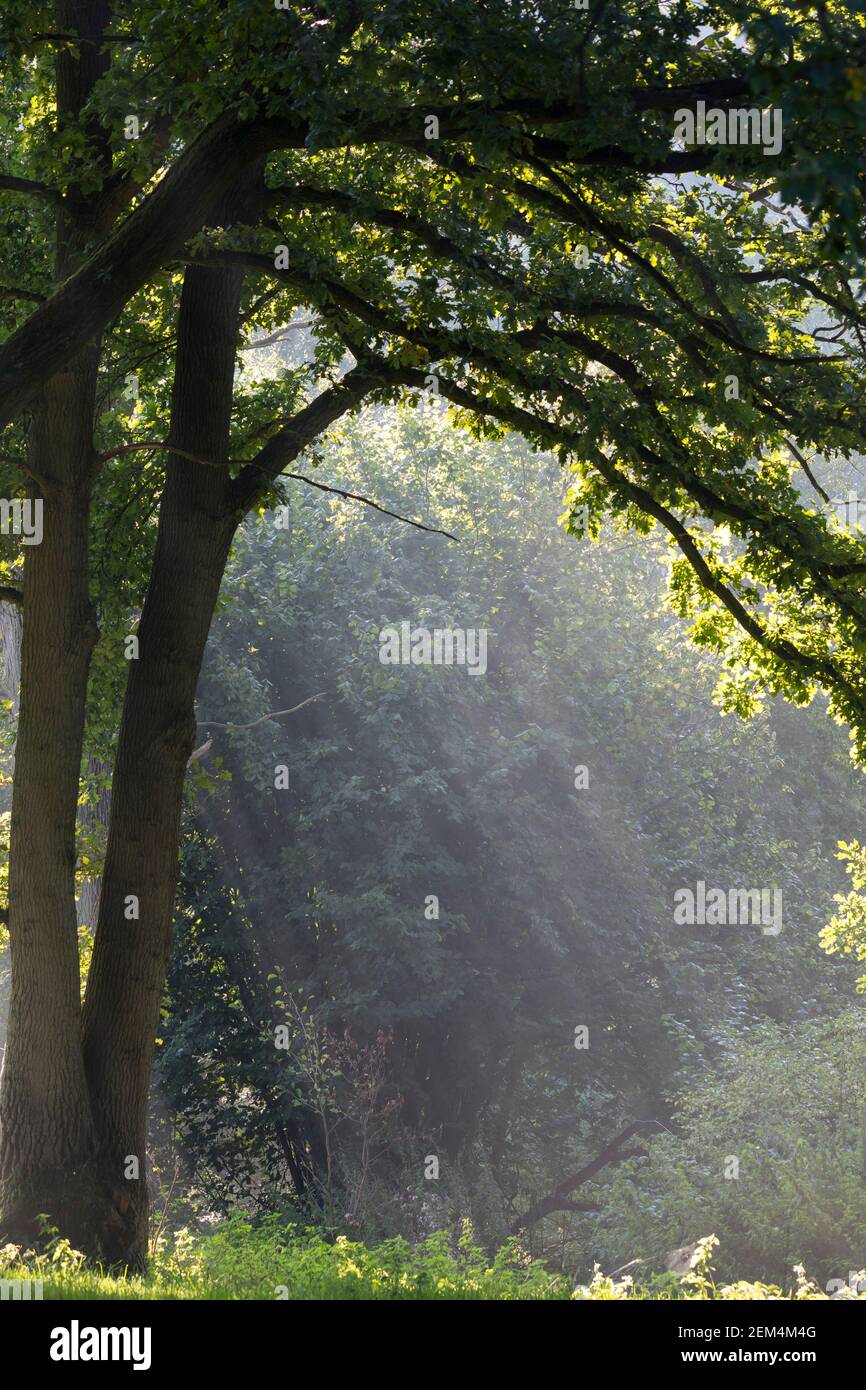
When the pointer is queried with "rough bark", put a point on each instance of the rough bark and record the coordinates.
(46, 1131)
(45, 1128)
(127, 974)
(95, 1188)
(199, 513)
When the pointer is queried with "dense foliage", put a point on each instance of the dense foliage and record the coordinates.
(683, 324)
(455, 1036)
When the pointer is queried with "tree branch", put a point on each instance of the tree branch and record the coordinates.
(178, 205)
(11, 184)
(258, 476)
(13, 292)
(145, 445)
(272, 714)
(368, 502)
(557, 1199)
(820, 670)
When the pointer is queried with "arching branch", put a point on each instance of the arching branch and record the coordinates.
(557, 1200)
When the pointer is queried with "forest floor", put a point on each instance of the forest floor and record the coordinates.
(275, 1262)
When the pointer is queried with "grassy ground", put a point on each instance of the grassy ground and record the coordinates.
(272, 1261)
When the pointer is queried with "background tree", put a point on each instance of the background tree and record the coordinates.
(554, 904)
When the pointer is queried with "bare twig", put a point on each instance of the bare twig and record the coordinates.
(273, 714)
(804, 464)
(368, 502)
(146, 444)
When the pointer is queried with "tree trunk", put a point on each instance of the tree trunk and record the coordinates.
(93, 821)
(45, 1123)
(73, 1104)
(133, 937)
(46, 1128)
(10, 652)
(74, 1101)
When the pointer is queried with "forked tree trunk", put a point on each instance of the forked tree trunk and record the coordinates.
(199, 513)
(73, 1110)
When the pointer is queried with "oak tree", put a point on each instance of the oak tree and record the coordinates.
(492, 202)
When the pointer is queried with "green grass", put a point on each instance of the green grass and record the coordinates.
(274, 1261)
